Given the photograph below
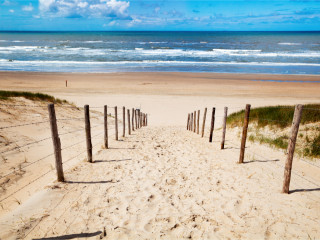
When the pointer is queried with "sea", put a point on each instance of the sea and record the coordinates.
(223, 52)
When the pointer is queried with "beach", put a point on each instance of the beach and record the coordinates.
(181, 91)
(161, 182)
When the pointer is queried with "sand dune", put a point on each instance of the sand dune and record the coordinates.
(168, 183)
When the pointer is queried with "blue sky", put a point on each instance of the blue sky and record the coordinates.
(96, 15)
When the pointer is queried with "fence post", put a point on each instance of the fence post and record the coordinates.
(135, 117)
(88, 132)
(116, 121)
(132, 119)
(56, 142)
(129, 128)
(212, 124)
(188, 121)
(244, 133)
(106, 127)
(198, 121)
(191, 123)
(124, 121)
(204, 121)
(146, 120)
(224, 125)
(141, 119)
(194, 121)
(291, 146)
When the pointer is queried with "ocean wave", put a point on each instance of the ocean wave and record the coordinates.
(290, 44)
(157, 52)
(6, 62)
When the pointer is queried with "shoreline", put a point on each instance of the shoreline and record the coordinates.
(173, 72)
(167, 96)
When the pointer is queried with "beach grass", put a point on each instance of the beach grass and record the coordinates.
(6, 95)
(279, 120)
(279, 116)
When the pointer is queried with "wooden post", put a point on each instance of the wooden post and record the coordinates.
(88, 132)
(194, 121)
(135, 117)
(191, 122)
(198, 121)
(224, 126)
(291, 147)
(204, 121)
(116, 121)
(132, 119)
(244, 133)
(141, 119)
(188, 121)
(146, 120)
(212, 124)
(129, 127)
(56, 142)
(124, 121)
(106, 127)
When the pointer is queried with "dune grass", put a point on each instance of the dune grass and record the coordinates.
(280, 116)
(279, 119)
(5, 95)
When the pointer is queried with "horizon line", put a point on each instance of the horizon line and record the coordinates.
(159, 31)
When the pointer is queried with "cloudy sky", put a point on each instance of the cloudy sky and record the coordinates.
(95, 15)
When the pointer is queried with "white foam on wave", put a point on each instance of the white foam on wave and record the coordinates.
(289, 43)
(158, 52)
(6, 62)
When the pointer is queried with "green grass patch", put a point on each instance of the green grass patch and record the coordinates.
(313, 150)
(280, 116)
(5, 95)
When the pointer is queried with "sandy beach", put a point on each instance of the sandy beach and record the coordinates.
(161, 182)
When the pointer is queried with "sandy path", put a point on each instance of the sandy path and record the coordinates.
(168, 183)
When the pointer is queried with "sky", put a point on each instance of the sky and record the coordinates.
(161, 15)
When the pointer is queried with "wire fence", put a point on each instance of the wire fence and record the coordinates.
(263, 130)
(74, 130)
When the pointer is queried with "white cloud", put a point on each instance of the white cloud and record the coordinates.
(85, 8)
(112, 23)
(6, 3)
(11, 10)
(28, 8)
(157, 9)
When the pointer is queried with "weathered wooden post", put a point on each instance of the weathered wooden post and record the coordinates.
(198, 121)
(132, 119)
(124, 121)
(244, 133)
(188, 121)
(88, 132)
(129, 127)
(146, 119)
(138, 121)
(291, 147)
(212, 124)
(135, 117)
(194, 121)
(191, 122)
(224, 126)
(116, 121)
(204, 121)
(56, 142)
(106, 127)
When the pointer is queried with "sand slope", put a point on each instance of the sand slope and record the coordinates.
(168, 183)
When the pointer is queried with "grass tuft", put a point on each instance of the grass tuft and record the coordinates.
(5, 95)
(280, 116)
